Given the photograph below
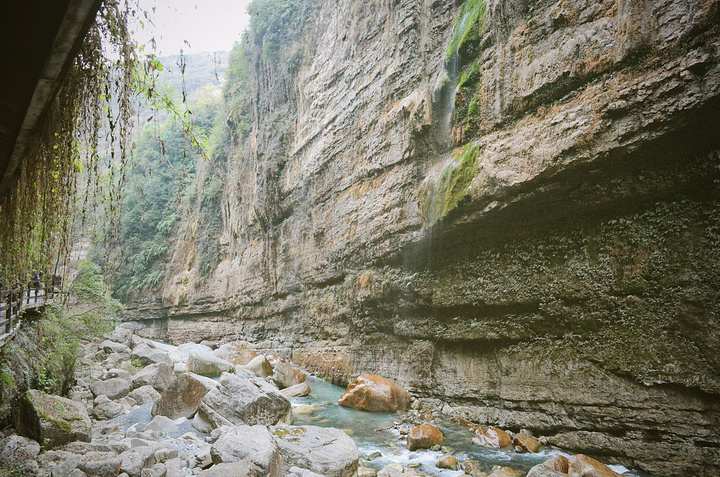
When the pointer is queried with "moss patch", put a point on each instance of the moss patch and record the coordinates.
(438, 200)
(469, 26)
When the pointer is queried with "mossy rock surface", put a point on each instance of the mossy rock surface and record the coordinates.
(52, 420)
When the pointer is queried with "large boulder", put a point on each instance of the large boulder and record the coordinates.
(236, 352)
(253, 444)
(121, 335)
(287, 375)
(260, 367)
(135, 460)
(144, 395)
(527, 442)
(146, 355)
(424, 436)
(541, 470)
(505, 472)
(326, 451)
(581, 465)
(492, 437)
(370, 392)
(558, 463)
(112, 347)
(205, 364)
(114, 388)
(52, 420)
(160, 376)
(299, 390)
(100, 464)
(107, 409)
(182, 397)
(182, 353)
(244, 399)
(19, 451)
(236, 469)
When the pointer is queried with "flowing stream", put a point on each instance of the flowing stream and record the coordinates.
(380, 444)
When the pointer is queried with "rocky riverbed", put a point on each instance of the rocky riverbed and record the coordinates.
(148, 409)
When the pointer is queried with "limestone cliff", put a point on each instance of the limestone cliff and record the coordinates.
(510, 207)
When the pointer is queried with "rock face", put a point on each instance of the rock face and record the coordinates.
(181, 398)
(370, 392)
(52, 420)
(244, 399)
(325, 451)
(547, 234)
(424, 436)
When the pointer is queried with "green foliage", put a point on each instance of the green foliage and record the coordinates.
(15, 469)
(275, 22)
(469, 26)
(439, 199)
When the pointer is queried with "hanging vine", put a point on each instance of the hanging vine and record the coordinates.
(77, 164)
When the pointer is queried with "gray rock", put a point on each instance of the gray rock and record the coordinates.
(162, 425)
(236, 469)
(157, 470)
(100, 464)
(144, 395)
(165, 453)
(299, 390)
(543, 471)
(182, 353)
(244, 399)
(52, 420)
(159, 376)
(146, 355)
(113, 347)
(118, 373)
(113, 388)
(260, 367)
(326, 451)
(121, 335)
(182, 397)
(20, 451)
(253, 444)
(107, 410)
(205, 364)
(135, 460)
(288, 375)
(391, 470)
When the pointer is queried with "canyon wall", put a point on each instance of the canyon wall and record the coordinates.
(511, 208)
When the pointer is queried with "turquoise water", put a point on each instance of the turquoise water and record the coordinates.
(376, 440)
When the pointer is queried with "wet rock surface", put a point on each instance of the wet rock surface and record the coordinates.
(370, 392)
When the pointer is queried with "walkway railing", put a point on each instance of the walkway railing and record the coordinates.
(13, 301)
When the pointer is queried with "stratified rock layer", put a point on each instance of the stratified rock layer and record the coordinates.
(556, 271)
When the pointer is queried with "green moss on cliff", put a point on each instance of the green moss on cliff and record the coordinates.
(468, 27)
(437, 200)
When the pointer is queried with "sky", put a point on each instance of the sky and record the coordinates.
(194, 26)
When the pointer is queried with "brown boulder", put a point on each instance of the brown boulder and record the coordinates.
(583, 466)
(492, 437)
(182, 398)
(505, 472)
(288, 376)
(527, 442)
(424, 436)
(447, 462)
(370, 392)
(559, 464)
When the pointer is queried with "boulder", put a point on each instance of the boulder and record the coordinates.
(472, 468)
(492, 437)
(182, 353)
(121, 335)
(52, 420)
(144, 395)
(581, 465)
(236, 353)
(160, 376)
(252, 444)
(118, 373)
(366, 472)
(558, 463)
(391, 470)
(135, 460)
(236, 469)
(447, 462)
(287, 375)
(299, 390)
(260, 367)
(113, 347)
(206, 364)
(100, 464)
(19, 451)
(244, 399)
(113, 388)
(107, 410)
(145, 355)
(370, 392)
(527, 442)
(326, 451)
(181, 398)
(505, 472)
(162, 425)
(542, 471)
(424, 436)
